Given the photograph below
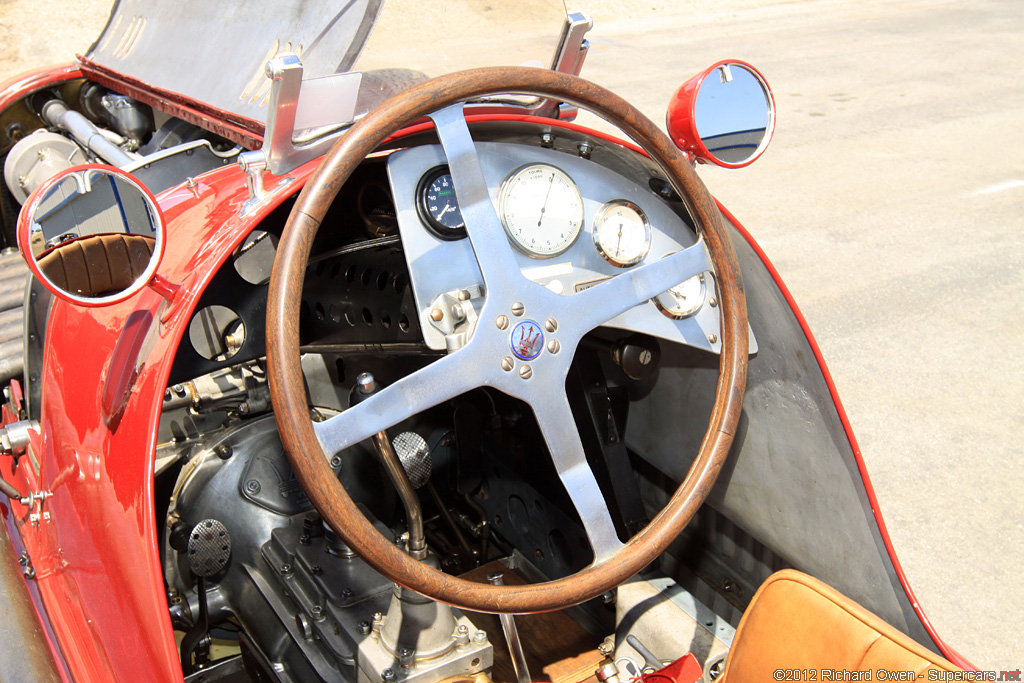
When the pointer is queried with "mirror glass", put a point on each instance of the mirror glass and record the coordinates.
(733, 113)
(95, 234)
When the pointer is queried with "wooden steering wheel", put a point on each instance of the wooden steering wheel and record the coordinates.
(479, 362)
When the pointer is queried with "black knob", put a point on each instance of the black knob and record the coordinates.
(638, 355)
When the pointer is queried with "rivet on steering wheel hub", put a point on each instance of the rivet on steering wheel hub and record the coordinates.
(507, 363)
(502, 322)
(526, 372)
(518, 309)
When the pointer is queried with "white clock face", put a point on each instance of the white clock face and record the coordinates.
(622, 234)
(541, 209)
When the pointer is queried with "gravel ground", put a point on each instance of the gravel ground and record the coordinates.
(890, 201)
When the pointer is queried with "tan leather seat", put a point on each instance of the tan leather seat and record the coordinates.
(97, 265)
(810, 631)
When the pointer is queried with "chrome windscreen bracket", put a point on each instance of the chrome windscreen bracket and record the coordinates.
(302, 115)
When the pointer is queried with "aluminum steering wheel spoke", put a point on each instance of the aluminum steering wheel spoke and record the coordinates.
(483, 226)
(558, 427)
(599, 304)
(441, 380)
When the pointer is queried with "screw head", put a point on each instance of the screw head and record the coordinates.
(550, 324)
(712, 302)
(526, 372)
(713, 338)
(502, 322)
(252, 486)
(463, 629)
(463, 295)
(507, 363)
(336, 462)
(364, 628)
(518, 309)
(554, 346)
(387, 675)
(480, 637)
(436, 314)
(286, 568)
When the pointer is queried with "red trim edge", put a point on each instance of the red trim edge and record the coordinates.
(950, 654)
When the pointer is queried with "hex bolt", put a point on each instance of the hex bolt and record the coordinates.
(463, 629)
(526, 372)
(518, 309)
(347, 593)
(437, 315)
(458, 313)
(378, 617)
(363, 628)
(335, 462)
(550, 324)
(252, 486)
(547, 140)
(507, 363)
(584, 149)
(463, 295)
(286, 568)
(554, 346)
(480, 637)
(317, 612)
(223, 451)
(502, 322)
(387, 675)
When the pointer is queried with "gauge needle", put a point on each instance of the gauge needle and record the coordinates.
(618, 245)
(544, 206)
(446, 209)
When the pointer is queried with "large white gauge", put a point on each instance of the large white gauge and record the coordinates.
(684, 299)
(541, 209)
(622, 234)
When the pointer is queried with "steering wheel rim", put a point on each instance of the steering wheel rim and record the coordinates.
(302, 445)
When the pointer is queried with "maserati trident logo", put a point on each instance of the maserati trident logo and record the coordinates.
(527, 340)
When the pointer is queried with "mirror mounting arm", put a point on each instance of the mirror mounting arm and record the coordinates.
(164, 287)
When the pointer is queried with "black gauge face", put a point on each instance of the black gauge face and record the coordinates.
(438, 206)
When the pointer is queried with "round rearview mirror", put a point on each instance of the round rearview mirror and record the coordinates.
(92, 234)
(724, 115)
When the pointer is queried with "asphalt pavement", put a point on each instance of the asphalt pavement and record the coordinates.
(890, 201)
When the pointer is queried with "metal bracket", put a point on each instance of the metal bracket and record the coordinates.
(455, 315)
(35, 499)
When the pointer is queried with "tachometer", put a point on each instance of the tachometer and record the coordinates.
(541, 209)
(438, 206)
(622, 234)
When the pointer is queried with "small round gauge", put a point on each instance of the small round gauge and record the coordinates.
(684, 299)
(622, 234)
(541, 209)
(438, 205)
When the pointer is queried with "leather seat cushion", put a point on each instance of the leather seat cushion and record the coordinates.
(795, 622)
(97, 265)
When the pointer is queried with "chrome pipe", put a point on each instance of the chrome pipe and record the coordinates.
(85, 132)
(413, 511)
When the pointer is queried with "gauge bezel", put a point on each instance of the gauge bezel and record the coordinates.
(696, 309)
(436, 227)
(602, 212)
(502, 206)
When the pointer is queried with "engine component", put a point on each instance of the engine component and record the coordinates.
(85, 132)
(308, 604)
(36, 158)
